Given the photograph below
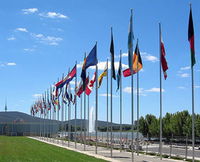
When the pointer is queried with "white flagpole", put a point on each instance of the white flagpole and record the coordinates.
(137, 103)
(96, 112)
(75, 106)
(160, 94)
(107, 105)
(120, 104)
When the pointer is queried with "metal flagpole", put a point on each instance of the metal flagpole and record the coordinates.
(62, 113)
(111, 147)
(75, 105)
(107, 104)
(160, 94)
(96, 111)
(193, 115)
(120, 104)
(88, 116)
(69, 123)
(84, 120)
(132, 117)
(81, 118)
(58, 107)
(193, 119)
(137, 102)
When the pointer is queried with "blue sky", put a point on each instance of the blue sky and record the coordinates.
(41, 40)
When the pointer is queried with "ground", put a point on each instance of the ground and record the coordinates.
(22, 149)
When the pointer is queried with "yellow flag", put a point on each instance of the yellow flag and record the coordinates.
(104, 73)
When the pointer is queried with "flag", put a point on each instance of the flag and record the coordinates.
(137, 63)
(162, 57)
(112, 52)
(90, 60)
(66, 79)
(79, 88)
(90, 85)
(119, 73)
(64, 98)
(104, 73)
(191, 38)
(130, 43)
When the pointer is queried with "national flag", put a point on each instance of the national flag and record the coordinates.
(104, 73)
(90, 60)
(112, 53)
(137, 63)
(79, 89)
(119, 73)
(64, 98)
(162, 57)
(191, 38)
(66, 79)
(130, 43)
(90, 85)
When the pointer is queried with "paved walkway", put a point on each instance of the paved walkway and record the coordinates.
(102, 153)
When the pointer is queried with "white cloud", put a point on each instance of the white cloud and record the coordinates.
(154, 90)
(105, 95)
(145, 56)
(37, 95)
(142, 92)
(124, 54)
(181, 87)
(184, 75)
(185, 68)
(101, 65)
(53, 15)
(11, 38)
(149, 57)
(196, 86)
(29, 49)
(50, 40)
(11, 64)
(22, 29)
(29, 10)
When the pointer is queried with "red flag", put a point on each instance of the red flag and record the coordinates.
(90, 85)
(163, 60)
(127, 72)
(79, 89)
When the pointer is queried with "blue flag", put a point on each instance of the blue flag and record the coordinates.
(90, 60)
(130, 43)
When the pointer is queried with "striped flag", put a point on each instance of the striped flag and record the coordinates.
(191, 38)
(104, 73)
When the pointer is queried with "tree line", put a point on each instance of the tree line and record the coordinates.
(174, 124)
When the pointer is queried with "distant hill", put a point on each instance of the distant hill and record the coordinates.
(14, 116)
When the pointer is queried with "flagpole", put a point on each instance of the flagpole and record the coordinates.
(111, 147)
(50, 114)
(84, 119)
(160, 93)
(137, 103)
(96, 125)
(62, 111)
(81, 117)
(120, 104)
(88, 112)
(107, 105)
(69, 123)
(75, 106)
(193, 119)
(132, 117)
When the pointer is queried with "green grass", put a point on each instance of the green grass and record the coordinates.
(23, 149)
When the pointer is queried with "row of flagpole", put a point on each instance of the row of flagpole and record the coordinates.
(135, 64)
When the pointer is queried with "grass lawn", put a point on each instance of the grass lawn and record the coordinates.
(18, 149)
